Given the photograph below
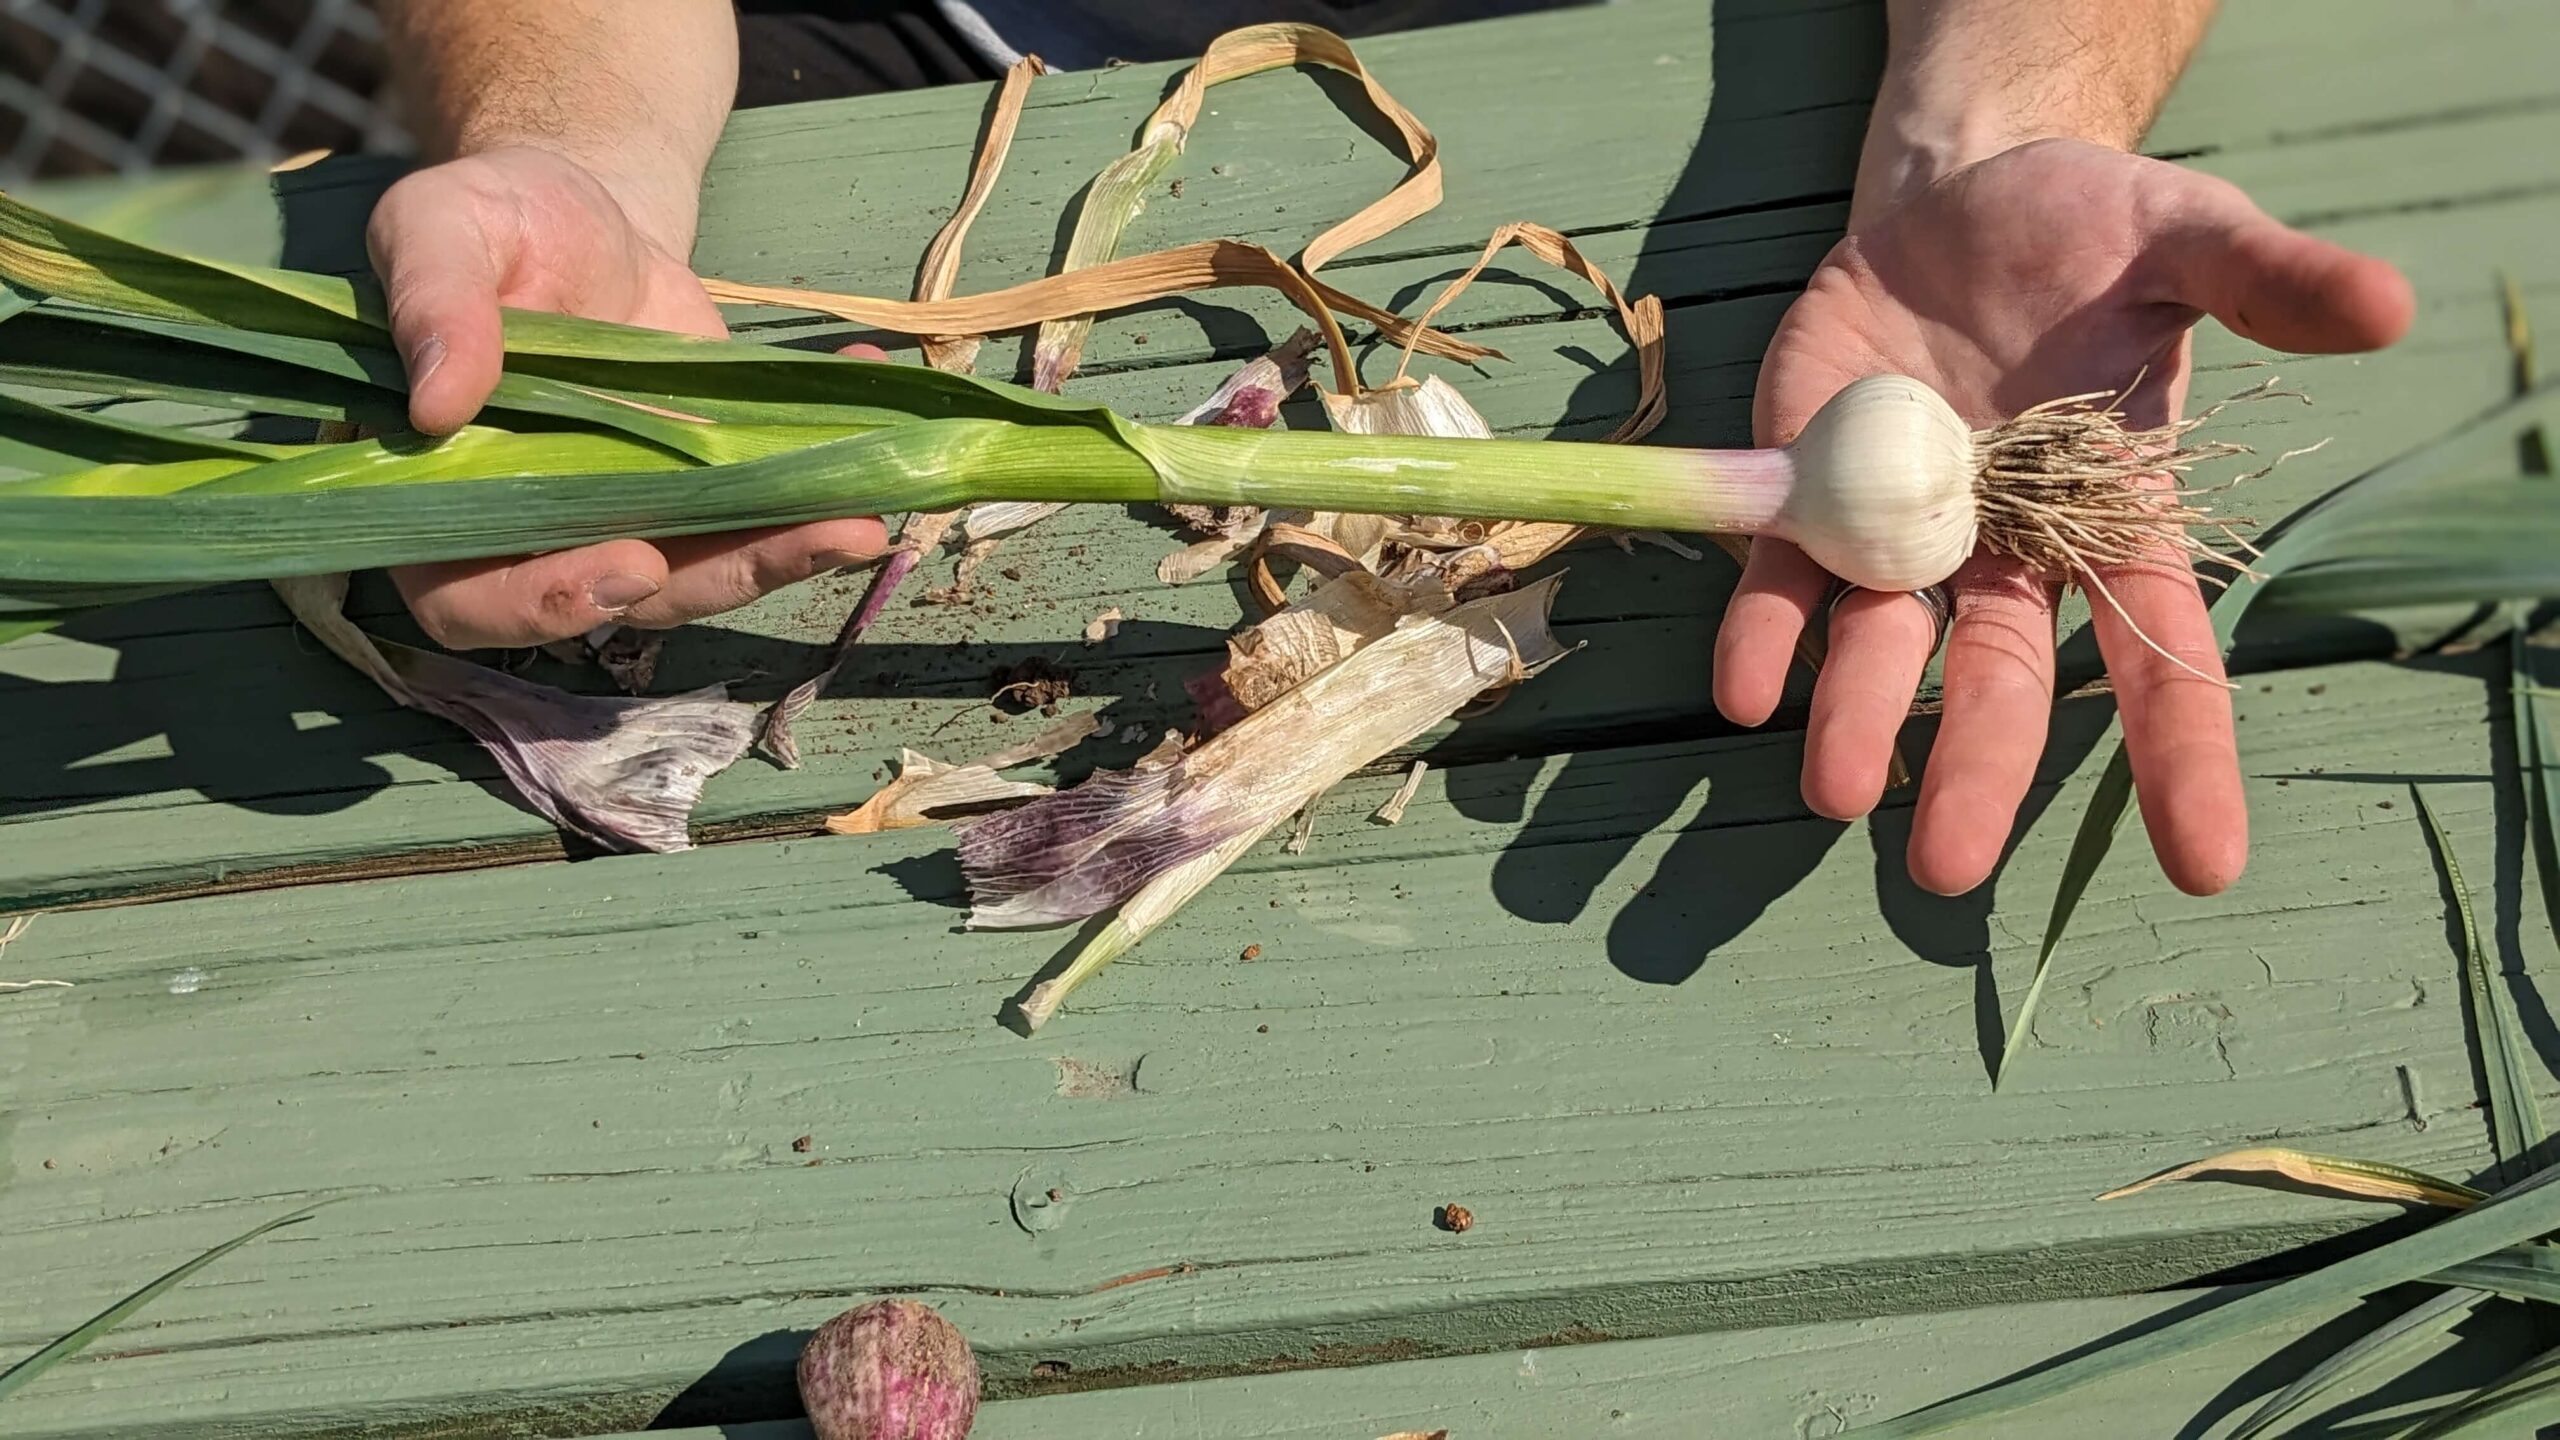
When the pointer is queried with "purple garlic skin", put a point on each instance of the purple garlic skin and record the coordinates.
(889, 1370)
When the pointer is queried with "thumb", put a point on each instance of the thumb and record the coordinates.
(2267, 282)
(440, 281)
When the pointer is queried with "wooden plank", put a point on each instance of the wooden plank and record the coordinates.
(1810, 1381)
(199, 741)
(160, 759)
(1695, 1061)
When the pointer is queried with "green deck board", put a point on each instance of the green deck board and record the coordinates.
(567, 1094)
(180, 774)
(1802, 1382)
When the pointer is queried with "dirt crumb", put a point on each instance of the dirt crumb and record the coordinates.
(1033, 684)
(1456, 1219)
(801, 1145)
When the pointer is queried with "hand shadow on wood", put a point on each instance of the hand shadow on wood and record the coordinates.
(1762, 171)
(1955, 930)
(202, 710)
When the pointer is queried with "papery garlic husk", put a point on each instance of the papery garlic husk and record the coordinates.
(1064, 857)
(1392, 813)
(1429, 406)
(1315, 631)
(1004, 517)
(1156, 902)
(928, 791)
(623, 772)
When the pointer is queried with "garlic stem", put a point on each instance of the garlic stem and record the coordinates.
(1886, 488)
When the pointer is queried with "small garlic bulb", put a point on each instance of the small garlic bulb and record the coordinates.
(1883, 492)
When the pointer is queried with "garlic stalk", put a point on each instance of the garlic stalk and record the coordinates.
(1886, 489)
(1249, 398)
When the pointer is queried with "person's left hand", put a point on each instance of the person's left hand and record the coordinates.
(2054, 268)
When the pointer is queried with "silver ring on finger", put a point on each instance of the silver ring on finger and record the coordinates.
(1934, 598)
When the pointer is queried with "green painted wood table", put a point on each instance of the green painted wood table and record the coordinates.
(1709, 1072)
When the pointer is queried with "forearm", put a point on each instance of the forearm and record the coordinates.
(1967, 79)
(636, 91)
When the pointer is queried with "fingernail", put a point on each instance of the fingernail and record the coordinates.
(826, 560)
(616, 593)
(424, 357)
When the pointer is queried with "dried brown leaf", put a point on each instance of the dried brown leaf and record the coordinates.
(1252, 50)
(1641, 318)
(2353, 1179)
(940, 269)
(1136, 280)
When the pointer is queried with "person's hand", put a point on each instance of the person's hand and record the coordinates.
(2054, 268)
(526, 228)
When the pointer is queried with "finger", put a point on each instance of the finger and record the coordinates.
(1997, 697)
(2219, 253)
(440, 280)
(862, 350)
(1880, 643)
(683, 307)
(709, 574)
(2177, 723)
(1777, 597)
(489, 604)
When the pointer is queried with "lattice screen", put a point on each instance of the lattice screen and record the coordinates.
(99, 86)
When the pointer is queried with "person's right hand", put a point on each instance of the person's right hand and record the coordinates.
(525, 228)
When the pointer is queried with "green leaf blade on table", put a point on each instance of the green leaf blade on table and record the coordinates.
(2403, 1332)
(2537, 767)
(2422, 528)
(2522, 1272)
(2109, 803)
(2520, 1213)
(17, 1377)
(2515, 1120)
(2517, 1404)
(144, 375)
